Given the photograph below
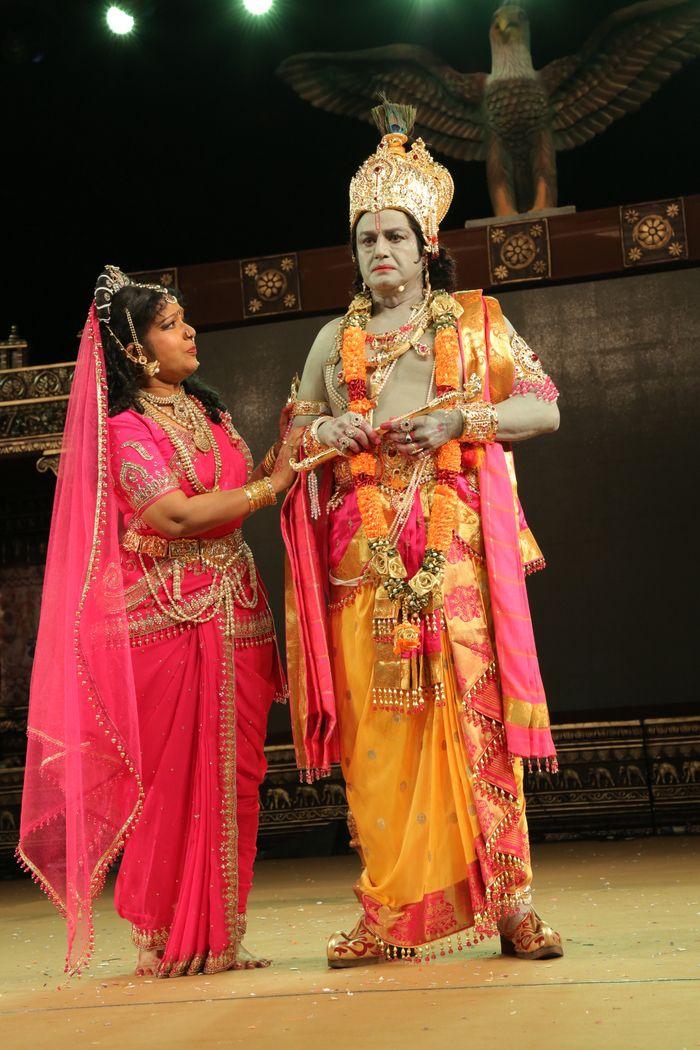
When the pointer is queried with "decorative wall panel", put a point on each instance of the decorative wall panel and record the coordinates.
(653, 232)
(519, 251)
(270, 285)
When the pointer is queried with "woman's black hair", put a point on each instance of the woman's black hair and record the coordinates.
(123, 376)
(442, 269)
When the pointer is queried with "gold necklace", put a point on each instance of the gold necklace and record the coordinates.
(394, 344)
(185, 414)
(419, 312)
(151, 405)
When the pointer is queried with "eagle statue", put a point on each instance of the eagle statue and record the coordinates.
(515, 117)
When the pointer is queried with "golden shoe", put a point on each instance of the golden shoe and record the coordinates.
(357, 948)
(532, 939)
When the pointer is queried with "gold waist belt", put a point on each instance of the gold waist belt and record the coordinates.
(219, 550)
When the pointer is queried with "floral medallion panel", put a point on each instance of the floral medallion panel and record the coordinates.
(519, 251)
(270, 285)
(653, 232)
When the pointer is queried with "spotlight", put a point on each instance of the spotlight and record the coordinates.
(119, 21)
(258, 7)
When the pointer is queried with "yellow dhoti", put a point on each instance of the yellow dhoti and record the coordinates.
(437, 808)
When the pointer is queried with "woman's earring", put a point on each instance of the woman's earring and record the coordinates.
(149, 367)
(426, 276)
(134, 351)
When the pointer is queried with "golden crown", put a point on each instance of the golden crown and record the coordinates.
(409, 181)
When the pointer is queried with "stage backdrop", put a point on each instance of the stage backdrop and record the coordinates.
(609, 496)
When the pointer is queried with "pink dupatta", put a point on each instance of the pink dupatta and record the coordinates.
(524, 704)
(82, 786)
(312, 698)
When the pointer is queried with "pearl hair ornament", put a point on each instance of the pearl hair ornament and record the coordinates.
(109, 282)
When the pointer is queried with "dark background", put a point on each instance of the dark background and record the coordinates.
(178, 144)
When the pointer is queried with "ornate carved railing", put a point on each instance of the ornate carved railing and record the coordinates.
(33, 404)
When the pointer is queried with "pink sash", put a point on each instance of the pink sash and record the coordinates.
(314, 721)
(524, 703)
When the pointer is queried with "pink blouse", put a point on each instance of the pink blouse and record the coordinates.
(145, 468)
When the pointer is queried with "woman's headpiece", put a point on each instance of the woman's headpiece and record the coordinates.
(409, 181)
(111, 281)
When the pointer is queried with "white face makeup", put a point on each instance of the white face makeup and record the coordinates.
(387, 251)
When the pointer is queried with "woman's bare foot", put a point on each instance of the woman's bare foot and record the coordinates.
(147, 962)
(246, 961)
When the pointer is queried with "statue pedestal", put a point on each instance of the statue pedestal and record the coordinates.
(525, 216)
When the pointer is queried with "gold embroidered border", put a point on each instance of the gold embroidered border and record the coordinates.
(154, 620)
(236, 440)
(137, 447)
(258, 628)
(229, 794)
(138, 490)
(150, 939)
(208, 963)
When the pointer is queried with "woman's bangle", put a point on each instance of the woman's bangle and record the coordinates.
(260, 494)
(480, 422)
(268, 463)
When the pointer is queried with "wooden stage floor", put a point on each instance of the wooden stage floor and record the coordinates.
(630, 977)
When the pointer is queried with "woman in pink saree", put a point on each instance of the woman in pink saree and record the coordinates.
(156, 660)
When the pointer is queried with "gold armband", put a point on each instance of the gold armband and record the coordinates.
(260, 494)
(480, 422)
(309, 408)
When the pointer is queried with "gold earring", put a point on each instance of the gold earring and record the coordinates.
(134, 351)
(151, 368)
(426, 279)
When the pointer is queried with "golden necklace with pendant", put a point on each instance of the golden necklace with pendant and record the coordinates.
(387, 348)
(188, 414)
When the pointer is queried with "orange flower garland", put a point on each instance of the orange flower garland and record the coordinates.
(413, 596)
(449, 456)
(355, 368)
(363, 465)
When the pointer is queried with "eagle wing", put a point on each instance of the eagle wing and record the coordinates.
(631, 54)
(449, 103)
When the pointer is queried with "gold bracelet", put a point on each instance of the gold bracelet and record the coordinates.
(480, 422)
(260, 494)
(268, 463)
(309, 408)
(313, 429)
